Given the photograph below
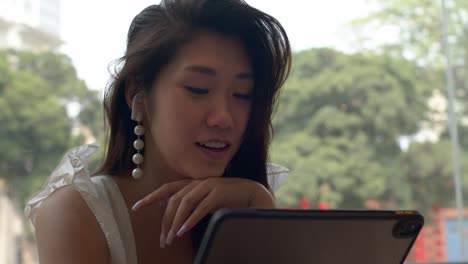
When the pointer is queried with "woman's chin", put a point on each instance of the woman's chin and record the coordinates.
(201, 174)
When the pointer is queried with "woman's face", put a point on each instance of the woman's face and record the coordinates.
(199, 107)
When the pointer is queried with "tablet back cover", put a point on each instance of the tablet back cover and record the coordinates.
(319, 237)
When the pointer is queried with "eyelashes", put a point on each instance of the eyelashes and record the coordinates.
(203, 91)
(197, 91)
(245, 97)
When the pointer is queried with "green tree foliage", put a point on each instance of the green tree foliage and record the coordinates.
(338, 124)
(419, 24)
(428, 170)
(35, 130)
(419, 28)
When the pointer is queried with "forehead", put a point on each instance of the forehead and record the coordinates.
(221, 52)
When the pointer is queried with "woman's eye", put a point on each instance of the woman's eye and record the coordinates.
(196, 90)
(246, 97)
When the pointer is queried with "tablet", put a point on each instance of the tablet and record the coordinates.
(277, 236)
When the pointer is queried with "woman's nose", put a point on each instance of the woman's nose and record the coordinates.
(220, 115)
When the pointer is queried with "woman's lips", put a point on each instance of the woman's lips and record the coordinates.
(213, 153)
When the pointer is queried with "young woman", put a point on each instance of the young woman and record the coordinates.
(189, 118)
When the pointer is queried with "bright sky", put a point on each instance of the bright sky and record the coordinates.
(95, 31)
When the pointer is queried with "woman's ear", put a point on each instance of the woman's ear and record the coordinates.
(130, 90)
(138, 106)
(134, 99)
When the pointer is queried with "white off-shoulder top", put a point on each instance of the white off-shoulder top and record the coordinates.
(105, 200)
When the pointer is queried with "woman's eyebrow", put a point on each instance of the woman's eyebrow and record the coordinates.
(212, 72)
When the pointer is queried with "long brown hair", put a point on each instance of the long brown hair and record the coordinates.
(154, 36)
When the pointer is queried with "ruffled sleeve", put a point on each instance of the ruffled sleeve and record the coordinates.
(277, 175)
(72, 170)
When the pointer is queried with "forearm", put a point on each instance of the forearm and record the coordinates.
(262, 198)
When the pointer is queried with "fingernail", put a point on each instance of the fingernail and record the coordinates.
(162, 241)
(170, 237)
(181, 231)
(137, 205)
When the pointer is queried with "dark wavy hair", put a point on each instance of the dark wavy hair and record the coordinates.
(154, 36)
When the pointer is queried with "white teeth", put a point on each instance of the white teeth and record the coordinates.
(214, 144)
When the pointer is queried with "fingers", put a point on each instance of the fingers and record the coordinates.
(205, 207)
(164, 192)
(167, 235)
(187, 206)
(191, 200)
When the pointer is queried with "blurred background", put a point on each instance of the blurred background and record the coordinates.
(363, 121)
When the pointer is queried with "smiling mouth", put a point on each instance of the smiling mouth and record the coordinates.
(213, 146)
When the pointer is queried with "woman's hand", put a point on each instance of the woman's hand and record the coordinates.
(188, 201)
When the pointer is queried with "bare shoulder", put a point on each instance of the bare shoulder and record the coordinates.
(67, 230)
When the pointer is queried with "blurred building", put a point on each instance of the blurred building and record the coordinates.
(11, 230)
(438, 241)
(30, 24)
(432, 129)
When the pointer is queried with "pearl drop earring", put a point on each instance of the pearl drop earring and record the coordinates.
(139, 131)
